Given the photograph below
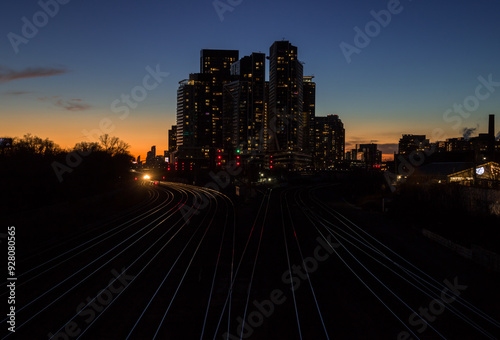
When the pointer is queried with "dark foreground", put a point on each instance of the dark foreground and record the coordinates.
(184, 262)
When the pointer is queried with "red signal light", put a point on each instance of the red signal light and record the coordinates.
(136, 178)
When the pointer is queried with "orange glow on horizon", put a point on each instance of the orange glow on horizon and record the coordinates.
(143, 130)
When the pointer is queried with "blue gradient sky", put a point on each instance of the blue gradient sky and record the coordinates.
(428, 58)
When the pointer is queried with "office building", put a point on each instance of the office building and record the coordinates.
(200, 101)
(285, 98)
(172, 138)
(244, 105)
(309, 114)
(329, 142)
(367, 156)
(411, 143)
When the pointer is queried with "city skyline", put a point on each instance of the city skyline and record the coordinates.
(65, 79)
(235, 169)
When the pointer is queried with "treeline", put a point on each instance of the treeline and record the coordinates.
(36, 171)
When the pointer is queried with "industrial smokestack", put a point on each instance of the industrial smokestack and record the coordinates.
(491, 127)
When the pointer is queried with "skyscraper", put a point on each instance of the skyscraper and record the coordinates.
(151, 155)
(218, 62)
(200, 101)
(329, 142)
(216, 66)
(172, 138)
(190, 108)
(285, 98)
(244, 104)
(230, 105)
(309, 114)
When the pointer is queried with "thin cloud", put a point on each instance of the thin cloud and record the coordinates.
(74, 104)
(16, 93)
(7, 74)
(388, 148)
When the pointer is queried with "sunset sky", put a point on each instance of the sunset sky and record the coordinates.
(84, 55)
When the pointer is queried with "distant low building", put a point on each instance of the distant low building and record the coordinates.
(367, 156)
(464, 173)
(438, 172)
(411, 143)
(487, 174)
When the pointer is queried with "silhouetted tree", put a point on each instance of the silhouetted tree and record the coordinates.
(36, 146)
(113, 145)
(86, 147)
(28, 179)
